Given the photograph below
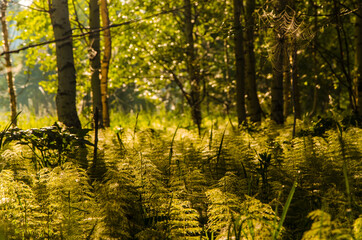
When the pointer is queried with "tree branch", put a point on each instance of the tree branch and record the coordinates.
(90, 32)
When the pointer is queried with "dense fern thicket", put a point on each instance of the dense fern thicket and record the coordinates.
(256, 183)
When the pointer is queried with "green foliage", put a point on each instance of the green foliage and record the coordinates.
(18, 208)
(57, 205)
(66, 201)
(119, 202)
(157, 178)
(50, 145)
(214, 186)
(324, 227)
(247, 219)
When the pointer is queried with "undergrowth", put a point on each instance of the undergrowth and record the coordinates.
(170, 183)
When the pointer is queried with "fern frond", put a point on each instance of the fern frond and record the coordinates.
(323, 227)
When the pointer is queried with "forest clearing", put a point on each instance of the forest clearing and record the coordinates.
(210, 119)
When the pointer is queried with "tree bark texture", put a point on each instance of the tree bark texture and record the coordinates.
(254, 109)
(192, 67)
(105, 62)
(359, 59)
(66, 94)
(239, 63)
(278, 68)
(95, 58)
(8, 65)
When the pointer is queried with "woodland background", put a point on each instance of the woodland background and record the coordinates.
(209, 119)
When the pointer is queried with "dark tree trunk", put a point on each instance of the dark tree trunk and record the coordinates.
(192, 67)
(278, 68)
(316, 82)
(239, 63)
(66, 94)
(287, 108)
(254, 109)
(359, 59)
(95, 58)
(344, 56)
(295, 84)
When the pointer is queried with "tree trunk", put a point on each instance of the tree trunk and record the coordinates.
(295, 85)
(344, 56)
(8, 65)
(95, 58)
(287, 85)
(359, 59)
(192, 67)
(239, 63)
(105, 62)
(278, 68)
(66, 94)
(316, 82)
(254, 109)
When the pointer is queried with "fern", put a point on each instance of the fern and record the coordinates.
(119, 204)
(183, 220)
(249, 219)
(221, 209)
(66, 200)
(324, 227)
(19, 211)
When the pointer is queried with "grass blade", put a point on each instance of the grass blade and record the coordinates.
(285, 210)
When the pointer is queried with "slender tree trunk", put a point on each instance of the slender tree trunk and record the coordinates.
(277, 87)
(344, 55)
(239, 63)
(287, 85)
(359, 59)
(295, 84)
(254, 109)
(66, 94)
(95, 58)
(105, 62)
(278, 67)
(8, 65)
(192, 67)
(316, 83)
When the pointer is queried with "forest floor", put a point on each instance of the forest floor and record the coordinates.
(151, 180)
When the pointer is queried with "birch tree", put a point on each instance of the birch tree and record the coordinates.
(66, 93)
(8, 64)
